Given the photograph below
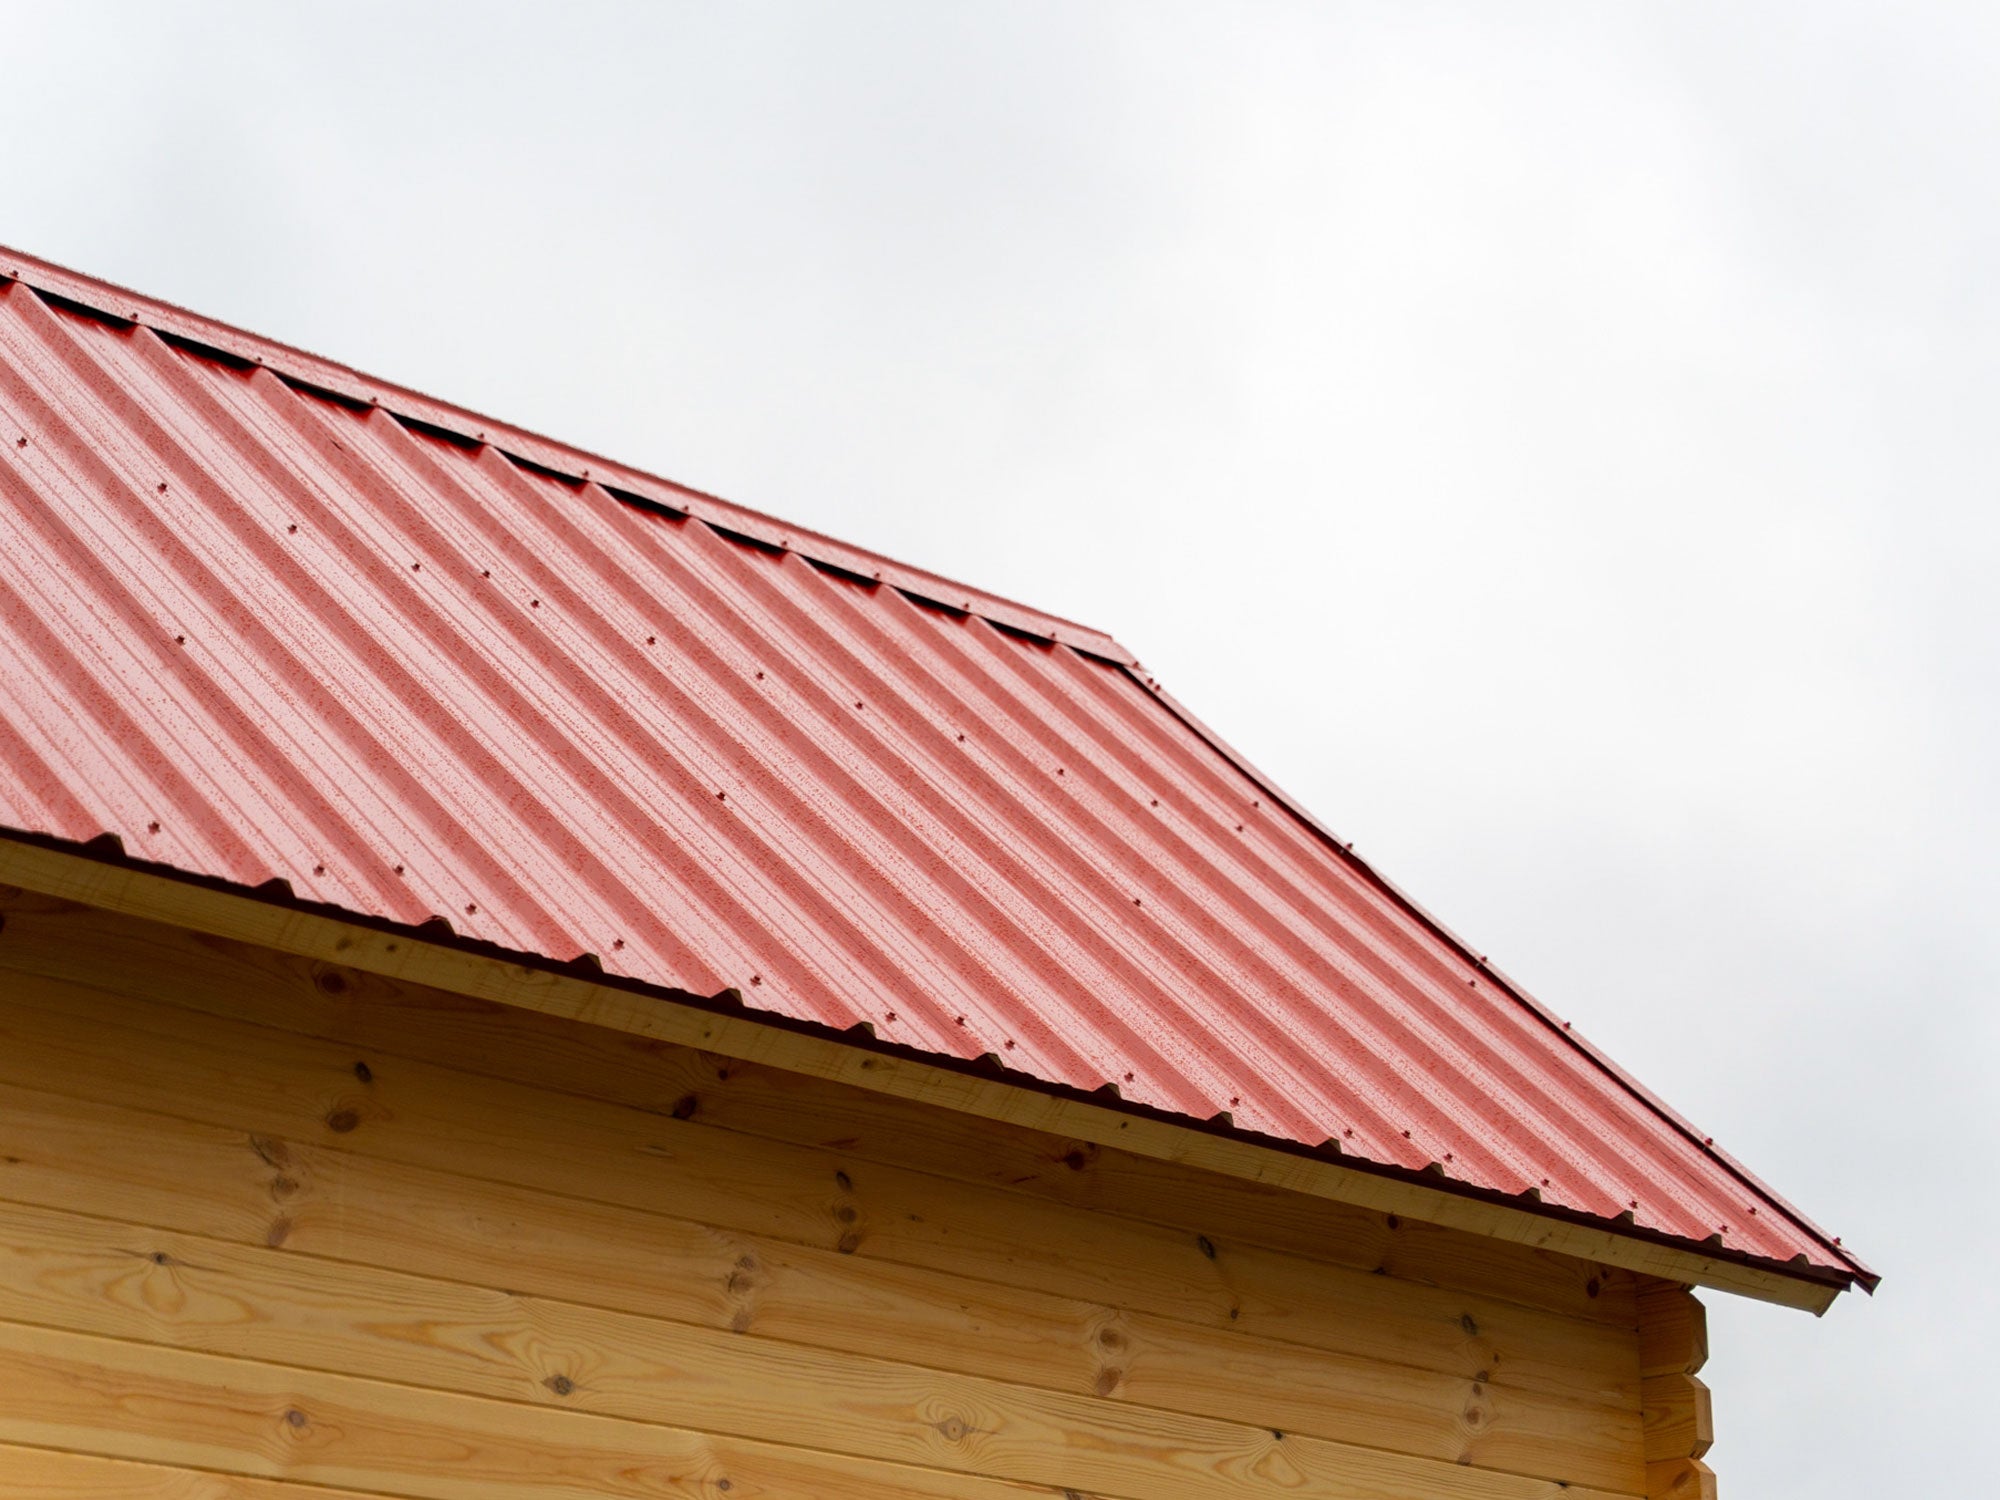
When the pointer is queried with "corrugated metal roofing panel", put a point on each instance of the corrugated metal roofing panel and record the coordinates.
(277, 625)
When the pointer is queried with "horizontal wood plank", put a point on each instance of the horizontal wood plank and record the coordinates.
(244, 918)
(136, 1282)
(50, 1474)
(81, 1156)
(96, 1395)
(139, 1401)
(270, 1084)
(376, 1013)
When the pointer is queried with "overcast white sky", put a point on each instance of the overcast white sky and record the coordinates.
(1558, 442)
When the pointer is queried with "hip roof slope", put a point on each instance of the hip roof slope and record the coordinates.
(267, 619)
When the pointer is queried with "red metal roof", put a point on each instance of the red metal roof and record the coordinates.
(262, 617)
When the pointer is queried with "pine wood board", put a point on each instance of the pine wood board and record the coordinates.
(51, 1474)
(374, 1012)
(241, 916)
(136, 1282)
(298, 1090)
(169, 1406)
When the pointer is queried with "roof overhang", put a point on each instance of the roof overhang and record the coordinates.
(99, 875)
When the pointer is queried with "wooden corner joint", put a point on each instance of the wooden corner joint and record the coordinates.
(1678, 1421)
(1680, 1479)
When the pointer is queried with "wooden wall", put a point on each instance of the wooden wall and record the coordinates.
(276, 1230)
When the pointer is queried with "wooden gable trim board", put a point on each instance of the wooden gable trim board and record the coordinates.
(394, 953)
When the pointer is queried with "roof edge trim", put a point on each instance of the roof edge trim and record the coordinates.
(314, 373)
(101, 875)
(1510, 987)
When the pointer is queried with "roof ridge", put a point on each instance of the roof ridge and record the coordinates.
(301, 367)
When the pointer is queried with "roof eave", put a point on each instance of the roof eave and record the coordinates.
(100, 875)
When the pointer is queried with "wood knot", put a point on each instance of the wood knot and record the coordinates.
(332, 981)
(1471, 1327)
(848, 1243)
(1205, 1245)
(1111, 1338)
(283, 1187)
(279, 1232)
(845, 1182)
(845, 1213)
(953, 1429)
(1079, 1156)
(295, 1418)
(161, 1258)
(1394, 1222)
(272, 1151)
(1107, 1381)
(685, 1106)
(1592, 1287)
(342, 1120)
(363, 1072)
(562, 1385)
